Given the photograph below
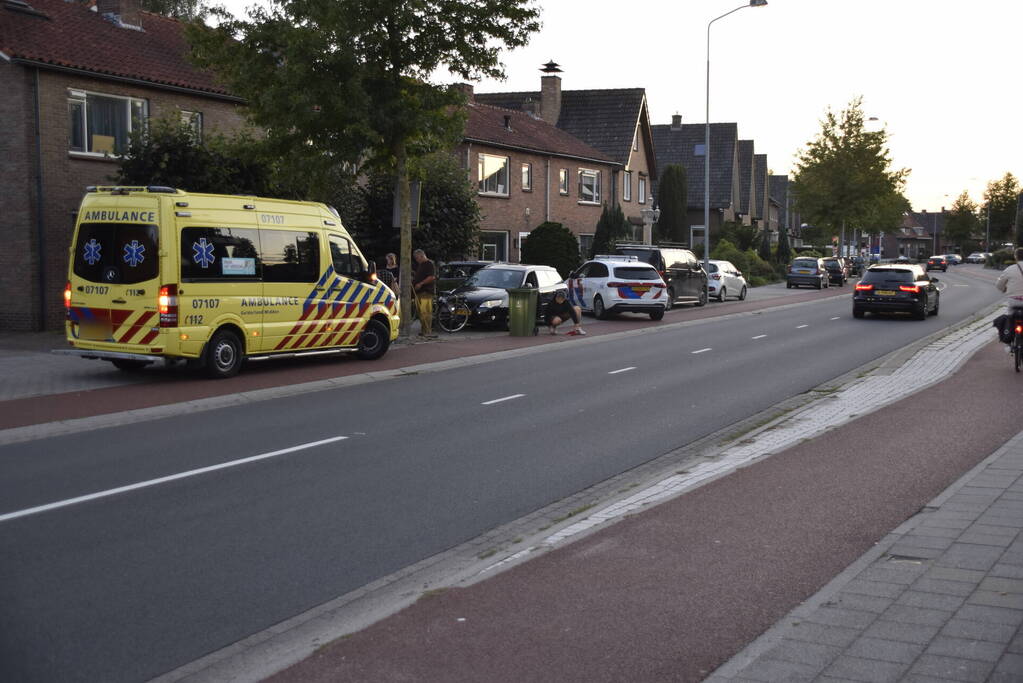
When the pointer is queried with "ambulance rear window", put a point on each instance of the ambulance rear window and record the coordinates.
(117, 253)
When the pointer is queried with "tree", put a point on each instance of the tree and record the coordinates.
(611, 228)
(784, 253)
(552, 244)
(179, 9)
(742, 236)
(845, 173)
(1001, 198)
(961, 223)
(672, 200)
(764, 250)
(351, 78)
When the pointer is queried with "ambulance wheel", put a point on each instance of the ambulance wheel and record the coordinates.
(224, 355)
(128, 365)
(374, 340)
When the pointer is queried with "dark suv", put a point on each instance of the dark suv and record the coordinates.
(838, 271)
(896, 289)
(486, 290)
(681, 270)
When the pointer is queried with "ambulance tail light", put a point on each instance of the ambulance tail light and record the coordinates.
(67, 297)
(167, 302)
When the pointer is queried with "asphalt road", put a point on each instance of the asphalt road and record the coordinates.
(126, 586)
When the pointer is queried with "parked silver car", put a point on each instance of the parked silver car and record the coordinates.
(724, 279)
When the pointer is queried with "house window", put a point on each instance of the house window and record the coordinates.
(493, 245)
(527, 177)
(493, 174)
(627, 186)
(642, 189)
(589, 186)
(699, 150)
(193, 119)
(103, 124)
(563, 181)
(585, 246)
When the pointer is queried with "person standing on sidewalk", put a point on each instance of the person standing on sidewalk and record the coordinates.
(423, 284)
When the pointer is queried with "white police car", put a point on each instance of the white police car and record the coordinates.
(617, 284)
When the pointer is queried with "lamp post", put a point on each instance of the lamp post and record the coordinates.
(706, 138)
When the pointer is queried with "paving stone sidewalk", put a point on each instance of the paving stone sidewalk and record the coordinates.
(939, 599)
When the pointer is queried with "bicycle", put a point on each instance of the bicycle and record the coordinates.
(452, 313)
(1016, 345)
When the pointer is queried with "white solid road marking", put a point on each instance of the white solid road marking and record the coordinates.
(162, 480)
(837, 317)
(759, 336)
(615, 372)
(702, 350)
(799, 327)
(498, 400)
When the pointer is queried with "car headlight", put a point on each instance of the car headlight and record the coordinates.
(490, 303)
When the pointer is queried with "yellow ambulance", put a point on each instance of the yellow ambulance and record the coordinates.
(159, 274)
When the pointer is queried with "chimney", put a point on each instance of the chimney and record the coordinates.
(123, 13)
(550, 93)
(465, 89)
(676, 122)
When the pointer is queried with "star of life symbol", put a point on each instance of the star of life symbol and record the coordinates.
(92, 251)
(133, 253)
(202, 253)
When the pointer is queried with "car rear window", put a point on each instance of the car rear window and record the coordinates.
(117, 253)
(636, 273)
(645, 255)
(804, 263)
(712, 267)
(889, 275)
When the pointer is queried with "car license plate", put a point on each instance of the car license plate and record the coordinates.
(801, 271)
(885, 292)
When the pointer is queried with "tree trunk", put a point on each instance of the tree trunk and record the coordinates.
(405, 221)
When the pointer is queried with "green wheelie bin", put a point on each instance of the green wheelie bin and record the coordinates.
(522, 311)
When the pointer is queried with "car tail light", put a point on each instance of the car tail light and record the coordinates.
(864, 288)
(910, 288)
(1019, 329)
(167, 303)
(67, 296)
(716, 276)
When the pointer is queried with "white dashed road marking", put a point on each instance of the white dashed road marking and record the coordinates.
(759, 336)
(837, 317)
(615, 372)
(799, 327)
(498, 400)
(702, 350)
(163, 480)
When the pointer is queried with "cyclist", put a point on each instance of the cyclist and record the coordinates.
(1010, 282)
(559, 310)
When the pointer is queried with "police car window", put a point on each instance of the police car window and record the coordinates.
(220, 254)
(344, 258)
(290, 256)
(597, 270)
(636, 273)
(117, 253)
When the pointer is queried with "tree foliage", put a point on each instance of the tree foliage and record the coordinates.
(784, 252)
(179, 9)
(612, 227)
(352, 78)
(844, 175)
(1001, 197)
(742, 236)
(961, 222)
(552, 244)
(672, 200)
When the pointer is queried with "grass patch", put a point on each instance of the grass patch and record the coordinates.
(517, 540)
(573, 513)
(628, 488)
(487, 553)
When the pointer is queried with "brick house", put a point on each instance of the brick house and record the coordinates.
(77, 79)
(747, 183)
(683, 143)
(615, 122)
(788, 217)
(528, 171)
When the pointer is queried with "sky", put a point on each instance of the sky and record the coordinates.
(942, 77)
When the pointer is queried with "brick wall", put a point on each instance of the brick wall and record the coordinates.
(65, 177)
(521, 211)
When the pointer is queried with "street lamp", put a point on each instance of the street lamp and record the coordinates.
(706, 138)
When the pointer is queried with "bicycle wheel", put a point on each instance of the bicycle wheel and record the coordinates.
(1017, 354)
(452, 317)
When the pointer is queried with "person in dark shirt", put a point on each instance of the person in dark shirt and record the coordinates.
(423, 285)
(559, 310)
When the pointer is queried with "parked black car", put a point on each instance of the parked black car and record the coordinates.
(486, 290)
(454, 273)
(678, 266)
(896, 289)
(837, 269)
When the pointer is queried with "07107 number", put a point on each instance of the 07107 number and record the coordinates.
(205, 303)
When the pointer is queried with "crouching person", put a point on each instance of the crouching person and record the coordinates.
(559, 310)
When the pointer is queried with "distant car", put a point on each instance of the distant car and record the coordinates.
(724, 279)
(976, 257)
(903, 259)
(838, 271)
(618, 284)
(809, 271)
(896, 289)
(454, 273)
(486, 290)
(678, 267)
(953, 259)
(937, 261)
(856, 265)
